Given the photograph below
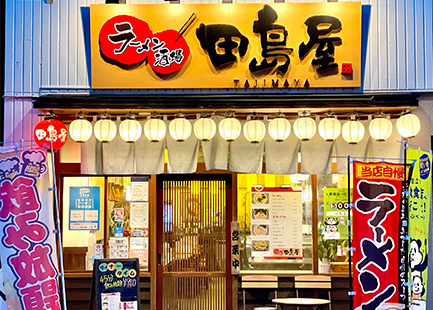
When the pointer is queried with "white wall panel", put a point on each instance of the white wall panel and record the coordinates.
(46, 48)
(20, 121)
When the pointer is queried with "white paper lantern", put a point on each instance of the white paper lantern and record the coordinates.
(154, 129)
(130, 130)
(329, 128)
(180, 128)
(254, 131)
(229, 129)
(380, 128)
(80, 130)
(279, 129)
(105, 130)
(353, 131)
(204, 128)
(304, 128)
(408, 125)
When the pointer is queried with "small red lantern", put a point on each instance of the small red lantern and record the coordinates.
(51, 130)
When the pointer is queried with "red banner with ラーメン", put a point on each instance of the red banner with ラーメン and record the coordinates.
(377, 191)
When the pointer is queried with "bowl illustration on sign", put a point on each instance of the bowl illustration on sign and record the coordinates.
(260, 245)
(260, 214)
(260, 198)
(260, 230)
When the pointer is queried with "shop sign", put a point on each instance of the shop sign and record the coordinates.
(51, 131)
(281, 45)
(28, 244)
(236, 247)
(378, 259)
(419, 214)
(84, 207)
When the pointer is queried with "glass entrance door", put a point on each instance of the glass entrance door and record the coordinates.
(192, 248)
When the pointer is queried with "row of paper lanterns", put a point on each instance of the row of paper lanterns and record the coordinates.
(254, 130)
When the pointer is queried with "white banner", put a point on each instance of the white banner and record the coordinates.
(28, 245)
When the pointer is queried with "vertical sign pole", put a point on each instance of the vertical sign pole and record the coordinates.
(59, 236)
(349, 233)
(406, 225)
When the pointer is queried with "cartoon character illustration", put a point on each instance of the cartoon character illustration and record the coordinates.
(418, 263)
(417, 286)
(34, 163)
(9, 168)
(331, 225)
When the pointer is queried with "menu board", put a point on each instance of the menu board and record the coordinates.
(276, 223)
(111, 278)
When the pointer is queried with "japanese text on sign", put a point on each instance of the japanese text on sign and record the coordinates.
(28, 242)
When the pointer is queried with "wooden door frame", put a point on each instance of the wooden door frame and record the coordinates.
(229, 178)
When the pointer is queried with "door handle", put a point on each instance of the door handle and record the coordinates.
(159, 259)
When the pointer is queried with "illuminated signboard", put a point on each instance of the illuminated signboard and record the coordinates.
(226, 45)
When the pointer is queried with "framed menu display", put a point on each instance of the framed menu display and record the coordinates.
(276, 223)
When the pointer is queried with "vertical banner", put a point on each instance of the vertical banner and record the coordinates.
(235, 245)
(376, 234)
(419, 213)
(28, 244)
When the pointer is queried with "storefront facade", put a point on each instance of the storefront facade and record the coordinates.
(173, 203)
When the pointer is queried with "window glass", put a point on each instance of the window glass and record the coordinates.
(83, 220)
(332, 220)
(128, 214)
(271, 208)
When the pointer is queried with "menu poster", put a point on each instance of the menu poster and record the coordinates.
(139, 248)
(84, 206)
(336, 213)
(276, 223)
(139, 189)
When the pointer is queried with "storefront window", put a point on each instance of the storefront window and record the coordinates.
(275, 216)
(332, 217)
(128, 214)
(85, 220)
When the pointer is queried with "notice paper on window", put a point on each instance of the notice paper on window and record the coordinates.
(118, 247)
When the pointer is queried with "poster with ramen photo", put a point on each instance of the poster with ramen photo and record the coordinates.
(276, 223)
